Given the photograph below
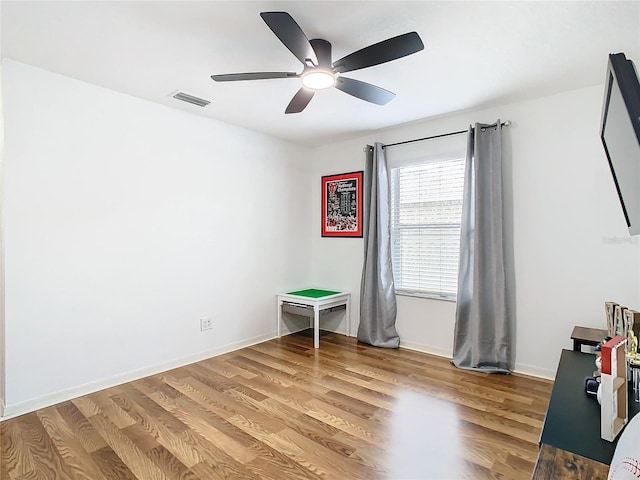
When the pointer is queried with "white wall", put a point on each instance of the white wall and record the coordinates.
(126, 222)
(2, 342)
(571, 249)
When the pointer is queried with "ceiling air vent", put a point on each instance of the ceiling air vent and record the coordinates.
(191, 99)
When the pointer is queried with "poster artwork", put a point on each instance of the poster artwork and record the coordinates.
(342, 214)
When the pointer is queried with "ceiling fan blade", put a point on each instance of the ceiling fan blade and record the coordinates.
(364, 91)
(381, 52)
(300, 100)
(291, 35)
(233, 77)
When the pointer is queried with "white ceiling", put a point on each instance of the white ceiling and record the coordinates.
(476, 54)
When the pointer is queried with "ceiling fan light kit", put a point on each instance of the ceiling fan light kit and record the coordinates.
(319, 72)
(318, 79)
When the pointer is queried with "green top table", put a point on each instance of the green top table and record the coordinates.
(317, 299)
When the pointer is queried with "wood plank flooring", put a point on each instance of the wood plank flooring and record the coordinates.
(281, 410)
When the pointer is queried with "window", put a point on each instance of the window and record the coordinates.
(426, 207)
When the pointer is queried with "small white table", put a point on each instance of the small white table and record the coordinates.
(318, 300)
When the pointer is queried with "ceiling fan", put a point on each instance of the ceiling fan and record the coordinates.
(319, 72)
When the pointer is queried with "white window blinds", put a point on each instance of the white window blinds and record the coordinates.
(426, 207)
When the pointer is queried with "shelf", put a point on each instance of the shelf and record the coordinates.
(614, 408)
(618, 383)
(618, 423)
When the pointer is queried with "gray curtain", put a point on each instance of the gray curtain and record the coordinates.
(481, 336)
(377, 295)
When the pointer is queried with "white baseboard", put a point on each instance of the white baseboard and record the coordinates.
(519, 367)
(419, 347)
(287, 331)
(17, 409)
(534, 371)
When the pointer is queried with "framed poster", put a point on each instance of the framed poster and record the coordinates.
(342, 205)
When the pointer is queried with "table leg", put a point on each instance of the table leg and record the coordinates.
(316, 327)
(279, 315)
(348, 314)
(577, 345)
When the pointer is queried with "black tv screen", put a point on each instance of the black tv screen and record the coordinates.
(620, 135)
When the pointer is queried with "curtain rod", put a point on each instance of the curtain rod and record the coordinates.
(503, 124)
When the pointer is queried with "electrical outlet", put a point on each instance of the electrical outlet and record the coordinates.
(205, 324)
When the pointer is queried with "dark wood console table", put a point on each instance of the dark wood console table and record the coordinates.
(572, 426)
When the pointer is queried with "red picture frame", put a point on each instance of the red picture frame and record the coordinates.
(342, 205)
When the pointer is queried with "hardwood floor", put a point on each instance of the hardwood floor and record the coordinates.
(281, 410)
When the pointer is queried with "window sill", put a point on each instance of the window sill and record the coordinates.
(431, 296)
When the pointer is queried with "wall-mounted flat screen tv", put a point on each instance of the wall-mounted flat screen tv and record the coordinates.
(620, 134)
